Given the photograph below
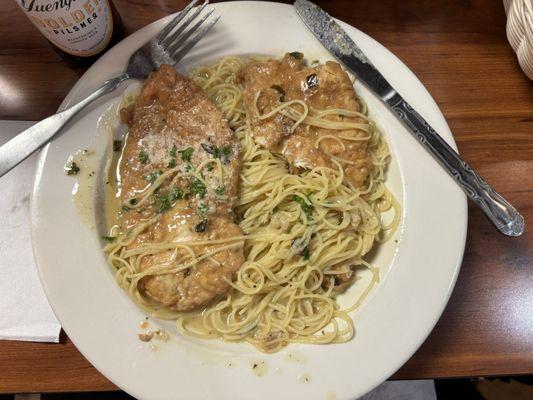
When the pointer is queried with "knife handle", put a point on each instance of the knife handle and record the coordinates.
(502, 214)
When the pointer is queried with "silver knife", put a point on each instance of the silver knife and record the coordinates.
(502, 214)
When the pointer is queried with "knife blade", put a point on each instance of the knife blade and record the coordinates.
(501, 213)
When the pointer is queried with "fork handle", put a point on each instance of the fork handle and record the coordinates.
(25, 143)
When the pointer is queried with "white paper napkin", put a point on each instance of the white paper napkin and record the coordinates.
(24, 311)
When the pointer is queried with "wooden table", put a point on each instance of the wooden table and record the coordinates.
(458, 49)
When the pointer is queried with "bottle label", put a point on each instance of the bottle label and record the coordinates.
(78, 27)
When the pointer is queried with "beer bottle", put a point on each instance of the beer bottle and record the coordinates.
(79, 30)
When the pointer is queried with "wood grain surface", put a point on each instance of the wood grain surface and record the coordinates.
(458, 49)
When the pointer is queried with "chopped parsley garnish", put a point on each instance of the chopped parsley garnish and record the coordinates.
(220, 190)
(196, 186)
(186, 154)
(152, 176)
(297, 55)
(143, 157)
(275, 209)
(109, 238)
(312, 81)
(117, 145)
(189, 167)
(297, 245)
(305, 254)
(176, 194)
(202, 208)
(201, 226)
(164, 202)
(226, 150)
(222, 153)
(210, 167)
(280, 90)
(172, 152)
(209, 148)
(306, 208)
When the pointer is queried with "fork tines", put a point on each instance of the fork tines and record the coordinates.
(174, 37)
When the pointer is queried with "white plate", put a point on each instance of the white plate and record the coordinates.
(419, 266)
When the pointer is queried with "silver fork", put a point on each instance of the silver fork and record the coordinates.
(169, 46)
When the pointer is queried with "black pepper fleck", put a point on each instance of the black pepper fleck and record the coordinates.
(312, 81)
(117, 145)
(297, 55)
(72, 169)
(201, 226)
